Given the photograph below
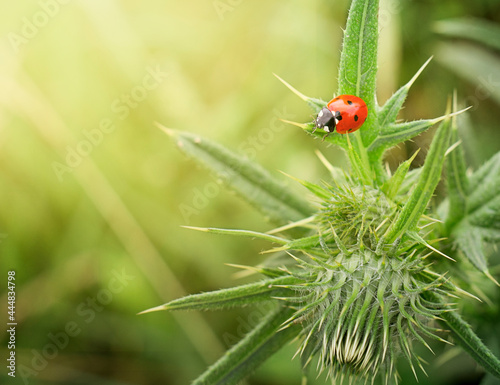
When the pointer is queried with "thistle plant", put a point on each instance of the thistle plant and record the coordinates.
(360, 272)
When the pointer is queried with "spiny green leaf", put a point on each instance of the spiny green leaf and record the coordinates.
(485, 172)
(410, 181)
(357, 74)
(252, 182)
(457, 181)
(470, 241)
(469, 341)
(315, 104)
(479, 30)
(389, 112)
(485, 183)
(391, 187)
(488, 215)
(232, 297)
(490, 235)
(255, 348)
(422, 193)
(416, 237)
(240, 233)
(397, 133)
(358, 62)
(319, 191)
(335, 138)
(268, 272)
(482, 220)
(338, 175)
(305, 243)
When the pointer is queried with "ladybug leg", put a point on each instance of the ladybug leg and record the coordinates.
(328, 131)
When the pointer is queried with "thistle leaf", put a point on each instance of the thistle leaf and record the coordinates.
(277, 202)
(339, 140)
(232, 297)
(358, 62)
(391, 187)
(457, 182)
(240, 233)
(315, 104)
(338, 175)
(421, 195)
(410, 181)
(255, 348)
(416, 237)
(490, 235)
(470, 241)
(389, 112)
(470, 342)
(482, 220)
(485, 184)
(486, 171)
(246, 271)
(319, 191)
(488, 215)
(306, 243)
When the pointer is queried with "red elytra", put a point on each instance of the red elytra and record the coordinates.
(350, 112)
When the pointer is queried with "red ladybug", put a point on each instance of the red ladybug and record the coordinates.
(346, 113)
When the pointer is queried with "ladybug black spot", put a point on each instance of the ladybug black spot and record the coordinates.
(356, 118)
(349, 102)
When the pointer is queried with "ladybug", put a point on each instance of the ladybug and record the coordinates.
(346, 113)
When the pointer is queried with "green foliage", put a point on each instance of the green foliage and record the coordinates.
(233, 297)
(392, 186)
(421, 195)
(388, 113)
(252, 182)
(119, 206)
(358, 62)
(457, 181)
(474, 209)
(472, 344)
(476, 30)
(359, 288)
(257, 346)
(475, 58)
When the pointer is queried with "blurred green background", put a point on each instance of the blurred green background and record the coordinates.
(93, 194)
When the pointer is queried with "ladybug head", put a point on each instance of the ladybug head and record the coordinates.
(325, 120)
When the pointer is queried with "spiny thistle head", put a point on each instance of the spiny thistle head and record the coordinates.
(356, 215)
(361, 305)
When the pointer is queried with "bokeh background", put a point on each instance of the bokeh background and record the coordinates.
(93, 194)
